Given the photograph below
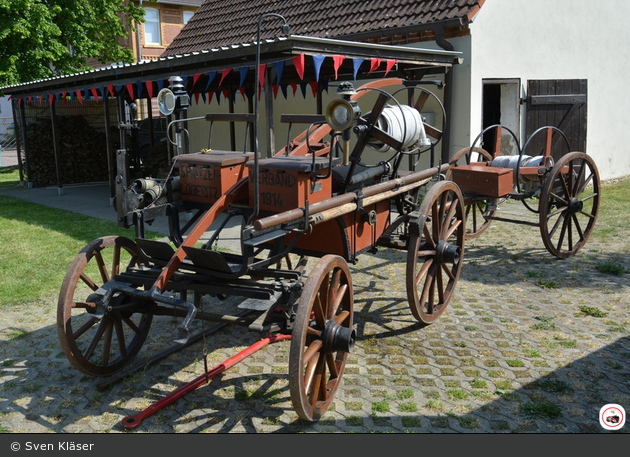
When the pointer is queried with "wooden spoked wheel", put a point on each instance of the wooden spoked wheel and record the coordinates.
(322, 337)
(569, 204)
(100, 342)
(436, 249)
(478, 209)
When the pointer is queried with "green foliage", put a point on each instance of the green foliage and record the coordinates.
(590, 311)
(40, 39)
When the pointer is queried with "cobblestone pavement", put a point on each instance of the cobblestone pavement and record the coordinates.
(514, 352)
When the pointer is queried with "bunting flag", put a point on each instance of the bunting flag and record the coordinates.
(314, 88)
(390, 64)
(65, 99)
(303, 85)
(275, 88)
(203, 96)
(211, 76)
(279, 66)
(130, 89)
(149, 85)
(298, 61)
(261, 74)
(139, 86)
(242, 91)
(218, 95)
(160, 84)
(210, 95)
(294, 87)
(196, 78)
(80, 96)
(50, 99)
(324, 84)
(196, 94)
(233, 95)
(375, 62)
(337, 61)
(111, 89)
(249, 91)
(224, 73)
(318, 60)
(94, 94)
(284, 90)
(243, 71)
(356, 64)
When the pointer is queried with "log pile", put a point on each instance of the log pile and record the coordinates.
(82, 152)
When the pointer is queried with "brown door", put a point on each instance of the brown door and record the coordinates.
(559, 103)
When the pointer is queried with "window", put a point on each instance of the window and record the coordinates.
(188, 16)
(152, 34)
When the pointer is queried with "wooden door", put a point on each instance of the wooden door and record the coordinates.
(559, 103)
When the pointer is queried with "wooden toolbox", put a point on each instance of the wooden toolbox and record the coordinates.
(285, 182)
(205, 177)
(483, 180)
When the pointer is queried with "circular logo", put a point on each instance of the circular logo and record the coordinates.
(612, 417)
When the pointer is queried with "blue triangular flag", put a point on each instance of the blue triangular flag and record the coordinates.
(160, 84)
(279, 66)
(211, 76)
(284, 88)
(303, 87)
(243, 71)
(356, 63)
(318, 60)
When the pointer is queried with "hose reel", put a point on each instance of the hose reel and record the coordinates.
(405, 124)
(517, 162)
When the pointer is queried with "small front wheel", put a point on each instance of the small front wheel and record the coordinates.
(436, 250)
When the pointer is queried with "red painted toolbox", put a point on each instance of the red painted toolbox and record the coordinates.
(483, 180)
(285, 182)
(206, 176)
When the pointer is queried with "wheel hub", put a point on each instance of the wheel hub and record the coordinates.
(575, 205)
(337, 338)
(447, 253)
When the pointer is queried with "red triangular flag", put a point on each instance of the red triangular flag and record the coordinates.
(390, 65)
(294, 86)
(65, 100)
(275, 91)
(195, 78)
(149, 85)
(94, 93)
(210, 95)
(111, 89)
(130, 89)
(80, 95)
(224, 73)
(261, 74)
(50, 99)
(196, 98)
(374, 64)
(314, 87)
(242, 91)
(298, 61)
(337, 61)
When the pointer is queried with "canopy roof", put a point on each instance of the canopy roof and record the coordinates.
(297, 58)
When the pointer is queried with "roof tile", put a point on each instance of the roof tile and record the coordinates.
(227, 22)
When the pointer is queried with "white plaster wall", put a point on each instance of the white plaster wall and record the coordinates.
(561, 39)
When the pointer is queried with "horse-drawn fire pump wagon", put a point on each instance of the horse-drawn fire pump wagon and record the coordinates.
(318, 197)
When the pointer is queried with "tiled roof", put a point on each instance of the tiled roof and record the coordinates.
(231, 22)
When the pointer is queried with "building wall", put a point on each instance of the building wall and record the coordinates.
(563, 39)
(171, 22)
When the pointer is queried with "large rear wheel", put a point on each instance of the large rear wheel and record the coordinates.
(95, 343)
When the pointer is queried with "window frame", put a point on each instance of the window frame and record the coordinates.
(154, 21)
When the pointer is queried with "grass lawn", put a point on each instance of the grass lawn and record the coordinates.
(37, 244)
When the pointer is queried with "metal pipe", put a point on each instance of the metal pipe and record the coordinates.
(285, 29)
(132, 422)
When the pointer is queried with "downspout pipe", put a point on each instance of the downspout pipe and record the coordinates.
(138, 39)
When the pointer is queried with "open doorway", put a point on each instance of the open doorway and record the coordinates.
(502, 105)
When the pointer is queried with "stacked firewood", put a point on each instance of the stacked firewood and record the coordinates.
(82, 152)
